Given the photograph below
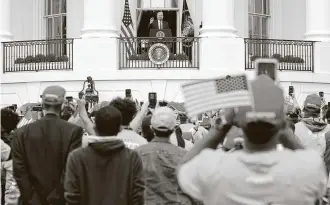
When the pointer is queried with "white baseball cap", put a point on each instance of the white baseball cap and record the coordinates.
(163, 119)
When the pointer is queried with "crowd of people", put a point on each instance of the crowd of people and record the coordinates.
(124, 155)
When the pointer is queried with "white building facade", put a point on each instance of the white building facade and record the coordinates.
(47, 42)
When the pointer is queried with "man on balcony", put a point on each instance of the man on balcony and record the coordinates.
(160, 23)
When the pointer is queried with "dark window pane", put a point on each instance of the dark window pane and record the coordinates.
(256, 25)
(266, 7)
(64, 27)
(264, 22)
(57, 26)
(63, 10)
(49, 28)
(56, 6)
(258, 6)
(49, 7)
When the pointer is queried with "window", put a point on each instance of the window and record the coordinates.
(55, 18)
(259, 19)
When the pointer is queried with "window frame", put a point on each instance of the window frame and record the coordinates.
(255, 16)
(62, 14)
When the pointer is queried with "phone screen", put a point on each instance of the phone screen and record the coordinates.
(268, 69)
(152, 100)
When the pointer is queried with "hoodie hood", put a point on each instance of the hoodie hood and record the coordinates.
(105, 145)
(314, 124)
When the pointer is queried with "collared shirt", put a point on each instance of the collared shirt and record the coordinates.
(273, 177)
(160, 159)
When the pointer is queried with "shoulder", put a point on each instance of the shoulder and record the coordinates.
(307, 156)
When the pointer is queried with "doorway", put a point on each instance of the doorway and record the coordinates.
(143, 24)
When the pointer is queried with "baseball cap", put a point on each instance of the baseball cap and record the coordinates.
(268, 101)
(163, 119)
(53, 95)
(313, 103)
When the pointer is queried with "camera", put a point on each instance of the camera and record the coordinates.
(291, 90)
(152, 100)
(128, 93)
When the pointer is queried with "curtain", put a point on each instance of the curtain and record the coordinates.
(180, 5)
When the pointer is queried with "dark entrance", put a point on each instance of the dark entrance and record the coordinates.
(169, 16)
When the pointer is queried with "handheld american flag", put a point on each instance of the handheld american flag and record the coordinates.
(215, 94)
(127, 30)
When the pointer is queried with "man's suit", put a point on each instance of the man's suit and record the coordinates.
(40, 152)
(157, 25)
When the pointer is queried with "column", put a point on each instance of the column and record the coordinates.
(318, 20)
(5, 21)
(218, 18)
(100, 19)
(220, 48)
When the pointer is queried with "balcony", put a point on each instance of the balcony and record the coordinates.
(155, 53)
(38, 55)
(292, 55)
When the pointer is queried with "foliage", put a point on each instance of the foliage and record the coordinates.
(281, 59)
(40, 58)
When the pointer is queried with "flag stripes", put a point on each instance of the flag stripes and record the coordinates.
(24, 122)
(209, 95)
(127, 30)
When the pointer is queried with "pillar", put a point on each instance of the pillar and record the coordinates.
(218, 18)
(318, 20)
(5, 21)
(220, 47)
(100, 18)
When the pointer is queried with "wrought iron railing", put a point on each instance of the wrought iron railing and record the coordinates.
(38, 55)
(292, 55)
(167, 52)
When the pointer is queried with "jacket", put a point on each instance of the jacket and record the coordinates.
(160, 159)
(39, 153)
(155, 25)
(103, 173)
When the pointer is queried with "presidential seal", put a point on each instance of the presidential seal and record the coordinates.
(160, 34)
(159, 53)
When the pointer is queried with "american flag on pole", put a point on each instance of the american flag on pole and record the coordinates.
(323, 103)
(127, 30)
(203, 96)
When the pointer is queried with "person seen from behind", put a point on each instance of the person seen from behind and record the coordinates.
(10, 191)
(311, 130)
(260, 173)
(120, 180)
(160, 159)
(40, 150)
(128, 110)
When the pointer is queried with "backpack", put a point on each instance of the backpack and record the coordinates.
(312, 140)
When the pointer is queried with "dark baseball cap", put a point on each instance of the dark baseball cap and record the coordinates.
(53, 95)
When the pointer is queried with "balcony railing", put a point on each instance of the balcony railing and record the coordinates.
(167, 52)
(292, 55)
(38, 55)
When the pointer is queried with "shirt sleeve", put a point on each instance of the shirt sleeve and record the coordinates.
(5, 151)
(194, 175)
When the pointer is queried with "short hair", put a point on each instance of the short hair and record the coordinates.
(260, 132)
(9, 119)
(108, 121)
(127, 108)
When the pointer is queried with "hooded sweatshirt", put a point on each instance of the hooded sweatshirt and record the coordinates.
(105, 172)
(311, 132)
